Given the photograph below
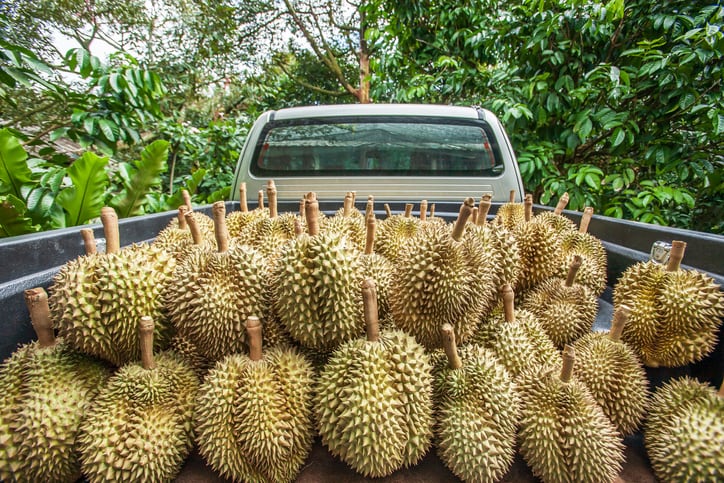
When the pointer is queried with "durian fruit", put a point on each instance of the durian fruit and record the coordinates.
(566, 309)
(378, 268)
(205, 223)
(539, 250)
(97, 300)
(564, 434)
(395, 232)
(237, 221)
(511, 214)
(374, 399)
(438, 279)
(45, 387)
(315, 286)
(592, 272)
(516, 338)
(477, 412)
(349, 222)
(214, 291)
(684, 434)
(140, 426)
(180, 239)
(253, 416)
(554, 219)
(613, 374)
(675, 314)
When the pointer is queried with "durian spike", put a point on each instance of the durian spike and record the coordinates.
(348, 203)
(508, 302)
(302, 213)
(109, 218)
(569, 358)
(218, 210)
(451, 350)
(260, 199)
(369, 298)
(370, 240)
(511, 196)
(474, 216)
(388, 210)
(253, 333)
(562, 203)
(271, 194)
(408, 210)
(194, 228)
(370, 208)
(37, 301)
(573, 270)
(528, 203)
(432, 210)
(484, 208)
(585, 219)
(187, 199)
(676, 255)
(298, 230)
(243, 206)
(620, 317)
(182, 210)
(466, 210)
(89, 241)
(423, 210)
(311, 210)
(145, 336)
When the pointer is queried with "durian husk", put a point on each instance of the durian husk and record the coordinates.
(510, 215)
(539, 251)
(592, 273)
(394, 233)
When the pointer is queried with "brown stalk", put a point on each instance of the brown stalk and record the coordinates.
(298, 229)
(676, 255)
(260, 199)
(109, 218)
(569, 358)
(466, 210)
(89, 241)
(508, 302)
(586, 219)
(423, 210)
(348, 202)
(528, 203)
(37, 301)
(408, 210)
(474, 216)
(562, 203)
(620, 317)
(432, 210)
(311, 210)
(370, 240)
(370, 208)
(243, 206)
(573, 270)
(511, 196)
(253, 334)
(302, 214)
(182, 210)
(369, 298)
(145, 336)
(451, 350)
(484, 208)
(271, 194)
(187, 199)
(194, 228)
(388, 210)
(218, 211)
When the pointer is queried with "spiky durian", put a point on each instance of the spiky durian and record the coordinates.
(45, 388)
(315, 287)
(613, 374)
(566, 310)
(564, 434)
(97, 300)
(394, 233)
(511, 215)
(378, 268)
(675, 314)
(140, 426)
(539, 253)
(439, 278)
(254, 417)
(180, 239)
(554, 219)
(516, 338)
(237, 221)
(374, 399)
(684, 434)
(477, 412)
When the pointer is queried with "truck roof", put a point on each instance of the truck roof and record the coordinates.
(339, 110)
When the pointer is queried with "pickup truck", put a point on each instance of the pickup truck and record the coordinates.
(32, 260)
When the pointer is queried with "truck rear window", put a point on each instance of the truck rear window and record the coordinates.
(376, 147)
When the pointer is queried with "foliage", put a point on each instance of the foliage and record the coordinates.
(83, 200)
(138, 178)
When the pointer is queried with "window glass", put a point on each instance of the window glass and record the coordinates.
(419, 147)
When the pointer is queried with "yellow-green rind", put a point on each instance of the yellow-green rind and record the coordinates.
(539, 251)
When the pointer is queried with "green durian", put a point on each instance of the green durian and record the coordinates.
(613, 374)
(140, 426)
(554, 219)
(511, 215)
(394, 233)
(564, 434)
(45, 387)
(539, 251)
(684, 434)
(238, 221)
(378, 268)
(374, 399)
(477, 412)
(253, 416)
(180, 239)
(674, 314)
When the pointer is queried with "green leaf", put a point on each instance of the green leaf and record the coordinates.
(147, 175)
(12, 217)
(618, 136)
(84, 199)
(192, 185)
(14, 170)
(109, 129)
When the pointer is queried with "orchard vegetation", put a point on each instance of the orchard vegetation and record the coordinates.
(618, 103)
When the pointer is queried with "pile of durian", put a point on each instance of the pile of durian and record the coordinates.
(250, 334)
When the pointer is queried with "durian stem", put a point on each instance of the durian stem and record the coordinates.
(511, 196)
(354, 197)
(483, 209)
(109, 218)
(311, 209)
(218, 210)
(528, 203)
(451, 350)
(388, 210)
(408, 210)
(89, 241)
(302, 213)
(586, 219)
(370, 240)
(194, 228)
(620, 317)
(298, 230)
(474, 216)
(253, 334)
(145, 336)
(182, 210)
(260, 199)
(432, 210)
(243, 206)
(423, 210)
(369, 298)
(37, 301)
(347, 204)
(271, 194)
(569, 358)
(187, 199)
(466, 209)
(370, 208)
(573, 270)
(562, 203)
(508, 302)
(676, 255)
(721, 390)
